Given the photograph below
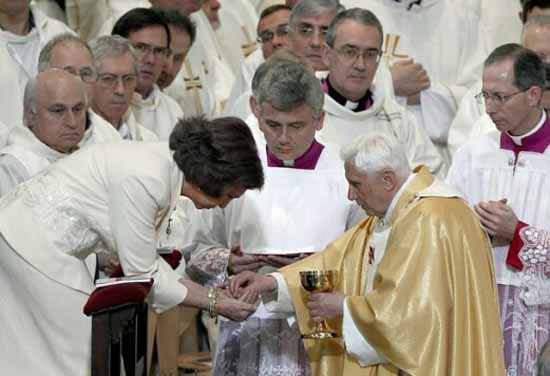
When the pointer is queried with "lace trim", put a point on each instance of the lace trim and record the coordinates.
(535, 255)
(209, 267)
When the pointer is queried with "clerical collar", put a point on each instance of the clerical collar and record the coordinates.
(362, 105)
(537, 140)
(308, 160)
(387, 217)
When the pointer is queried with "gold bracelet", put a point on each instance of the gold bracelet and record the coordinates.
(212, 303)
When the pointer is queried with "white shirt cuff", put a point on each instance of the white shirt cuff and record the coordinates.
(356, 344)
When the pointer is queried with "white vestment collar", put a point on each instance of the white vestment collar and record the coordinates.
(151, 103)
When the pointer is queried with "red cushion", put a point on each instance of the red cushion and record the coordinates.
(110, 296)
(173, 259)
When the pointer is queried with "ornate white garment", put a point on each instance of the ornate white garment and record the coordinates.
(158, 112)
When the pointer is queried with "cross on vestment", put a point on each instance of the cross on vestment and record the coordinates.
(390, 46)
(194, 83)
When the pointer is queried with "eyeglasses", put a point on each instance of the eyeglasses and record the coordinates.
(267, 36)
(144, 49)
(307, 30)
(350, 54)
(108, 80)
(497, 98)
(87, 75)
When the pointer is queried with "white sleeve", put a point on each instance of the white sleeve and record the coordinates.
(467, 115)
(134, 209)
(356, 345)
(283, 301)
(12, 173)
(438, 106)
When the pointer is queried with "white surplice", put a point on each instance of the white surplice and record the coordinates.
(342, 126)
(237, 105)
(194, 86)
(158, 112)
(3, 134)
(442, 36)
(131, 130)
(83, 204)
(19, 61)
(86, 16)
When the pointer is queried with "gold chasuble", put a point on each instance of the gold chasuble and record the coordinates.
(433, 309)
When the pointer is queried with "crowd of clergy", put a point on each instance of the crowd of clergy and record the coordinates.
(403, 143)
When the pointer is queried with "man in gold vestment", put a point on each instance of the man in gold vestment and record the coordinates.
(416, 292)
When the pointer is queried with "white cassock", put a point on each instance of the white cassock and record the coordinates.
(245, 12)
(194, 88)
(442, 36)
(158, 112)
(238, 106)
(235, 39)
(3, 134)
(297, 211)
(19, 61)
(86, 16)
(342, 126)
(131, 130)
(24, 155)
(487, 169)
(223, 74)
(355, 343)
(82, 205)
(51, 9)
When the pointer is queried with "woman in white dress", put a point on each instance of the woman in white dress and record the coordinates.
(115, 198)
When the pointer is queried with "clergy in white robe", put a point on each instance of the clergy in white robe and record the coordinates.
(22, 36)
(441, 36)
(302, 207)
(3, 134)
(505, 176)
(272, 31)
(112, 91)
(85, 203)
(471, 121)
(147, 31)
(408, 282)
(353, 104)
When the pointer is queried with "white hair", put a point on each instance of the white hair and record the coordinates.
(374, 152)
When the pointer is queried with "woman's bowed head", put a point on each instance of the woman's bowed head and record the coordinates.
(219, 160)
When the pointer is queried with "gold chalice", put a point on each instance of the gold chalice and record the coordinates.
(319, 281)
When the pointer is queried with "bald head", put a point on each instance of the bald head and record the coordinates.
(55, 105)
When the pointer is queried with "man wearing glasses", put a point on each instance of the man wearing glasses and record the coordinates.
(272, 33)
(504, 175)
(148, 32)
(354, 105)
(117, 69)
(73, 55)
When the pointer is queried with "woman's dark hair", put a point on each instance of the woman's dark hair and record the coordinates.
(216, 155)
(140, 18)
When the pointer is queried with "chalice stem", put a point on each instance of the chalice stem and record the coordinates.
(321, 327)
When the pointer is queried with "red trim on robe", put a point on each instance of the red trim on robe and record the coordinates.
(515, 247)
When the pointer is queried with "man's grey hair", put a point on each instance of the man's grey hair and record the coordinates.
(45, 58)
(535, 21)
(30, 98)
(374, 152)
(282, 55)
(287, 85)
(362, 16)
(112, 46)
(312, 8)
